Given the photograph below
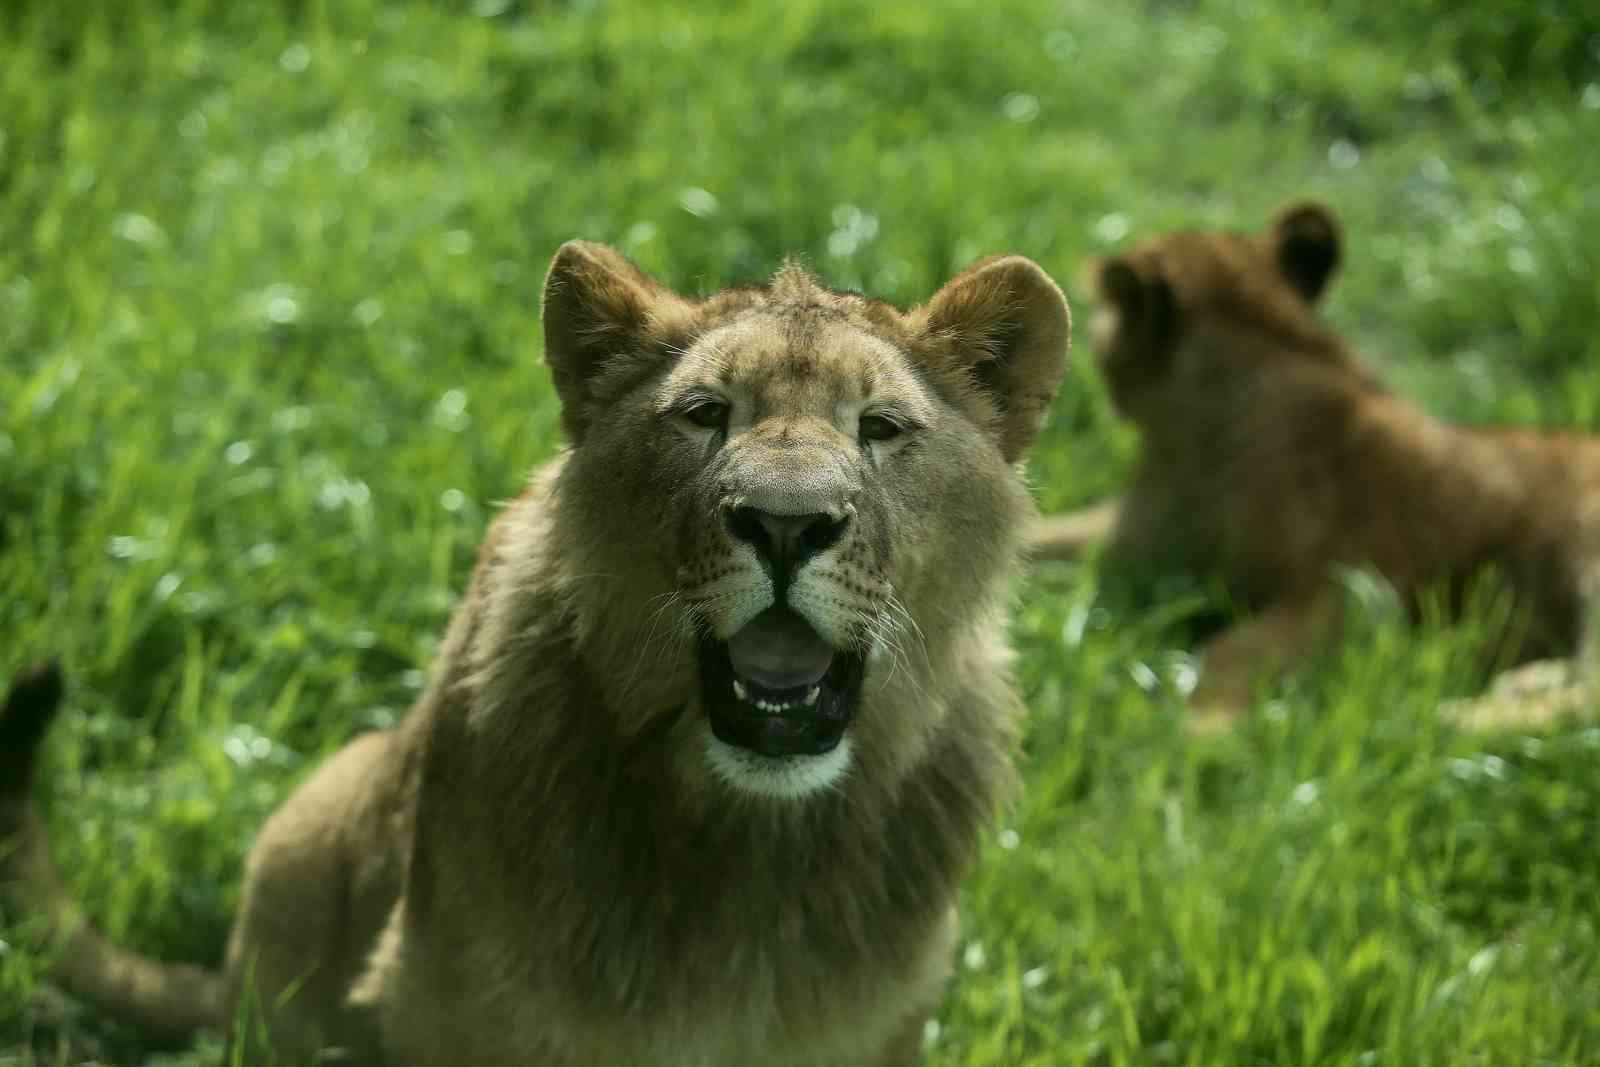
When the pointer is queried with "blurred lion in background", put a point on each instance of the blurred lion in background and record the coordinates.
(1271, 456)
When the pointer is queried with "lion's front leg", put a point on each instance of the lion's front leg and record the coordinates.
(423, 1012)
(1241, 657)
(904, 1046)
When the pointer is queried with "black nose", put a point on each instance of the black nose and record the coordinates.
(785, 542)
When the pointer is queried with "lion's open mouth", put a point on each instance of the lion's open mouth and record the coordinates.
(777, 688)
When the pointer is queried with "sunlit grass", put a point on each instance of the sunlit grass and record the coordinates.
(269, 358)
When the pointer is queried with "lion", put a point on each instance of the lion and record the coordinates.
(712, 736)
(1271, 456)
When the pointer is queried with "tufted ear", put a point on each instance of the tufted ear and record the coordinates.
(1305, 243)
(605, 322)
(1006, 326)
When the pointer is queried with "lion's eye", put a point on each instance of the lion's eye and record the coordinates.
(879, 428)
(708, 414)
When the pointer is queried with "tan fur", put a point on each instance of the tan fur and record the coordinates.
(1270, 455)
(541, 865)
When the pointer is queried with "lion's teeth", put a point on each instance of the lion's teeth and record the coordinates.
(773, 707)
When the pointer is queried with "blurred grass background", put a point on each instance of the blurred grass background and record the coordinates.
(269, 358)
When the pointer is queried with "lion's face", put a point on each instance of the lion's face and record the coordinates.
(1154, 298)
(815, 488)
(793, 582)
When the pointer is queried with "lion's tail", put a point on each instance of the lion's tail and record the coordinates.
(169, 1001)
(1069, 536)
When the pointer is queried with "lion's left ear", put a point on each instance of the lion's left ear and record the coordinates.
(1005, 325)
(605, 322)
(1305, 242)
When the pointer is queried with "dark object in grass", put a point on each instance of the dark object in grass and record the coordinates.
(31, 705)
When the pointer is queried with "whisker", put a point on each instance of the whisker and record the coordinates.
(887, 628)
(654, 643)
(909, 623)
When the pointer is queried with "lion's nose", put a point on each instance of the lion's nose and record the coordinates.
(786, 542)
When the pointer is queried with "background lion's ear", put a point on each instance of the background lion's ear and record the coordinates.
(1119, 283)
(605, 321)
(1143, 304)
(1305, 241)
(1005, 323)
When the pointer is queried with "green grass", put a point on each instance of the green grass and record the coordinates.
(268, 358)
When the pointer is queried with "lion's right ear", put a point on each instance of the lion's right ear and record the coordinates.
(606, 323)
(1305, 242)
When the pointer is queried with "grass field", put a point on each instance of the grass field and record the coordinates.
(269, 357)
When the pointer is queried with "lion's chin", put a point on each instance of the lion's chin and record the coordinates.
(778, 777)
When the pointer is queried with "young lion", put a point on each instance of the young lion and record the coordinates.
(1271, 456)
(713, 734)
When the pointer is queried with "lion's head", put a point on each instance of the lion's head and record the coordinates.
(807, 502)
(1179, 309)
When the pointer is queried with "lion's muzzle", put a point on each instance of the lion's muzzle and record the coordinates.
(781, 677)
(783, 543)
(778, 689)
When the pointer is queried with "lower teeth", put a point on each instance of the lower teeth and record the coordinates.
(741, 691)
